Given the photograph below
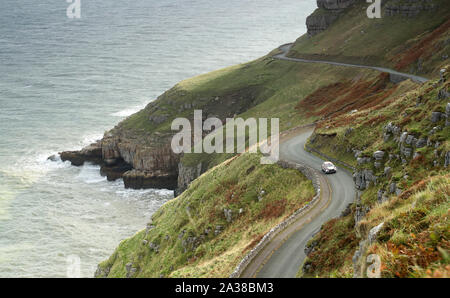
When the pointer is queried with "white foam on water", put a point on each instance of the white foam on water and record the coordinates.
(90, 174)
(129, 111)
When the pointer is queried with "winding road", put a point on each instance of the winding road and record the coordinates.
(287, 47)
(284, 254)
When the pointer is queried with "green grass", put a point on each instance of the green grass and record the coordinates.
(236, 185)
(411, 218)
(354, 38)
(271, 88)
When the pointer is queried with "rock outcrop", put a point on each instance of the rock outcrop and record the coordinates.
(147, 163)
(363, 178)
(408, 8)
(91, 153)
(325, 15)
(187, 174)
(334, 4)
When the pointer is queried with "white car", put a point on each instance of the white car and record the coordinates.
(328, 167)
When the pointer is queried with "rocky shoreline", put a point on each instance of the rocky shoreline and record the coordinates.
(117, 163)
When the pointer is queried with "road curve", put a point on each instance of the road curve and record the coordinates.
(283, 256)
(285, 50)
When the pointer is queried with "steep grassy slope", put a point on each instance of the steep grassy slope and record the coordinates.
(409, 195)
(206, 231)
(413, 44)
(191, 236)
(262, 88)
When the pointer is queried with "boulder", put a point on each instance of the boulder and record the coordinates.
(392, 187)
(378, 155)
(403, 137)
(409, 140)
(447, 159)
(436, 117)
(422, 142)
(363, 179)
(373, 233)
(443, 94)
(228, 214)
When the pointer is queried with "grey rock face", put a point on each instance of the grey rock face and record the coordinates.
(218, 230)
(422, 142)
(373, 232)
(186, 175)
(228, 214)
(447, 114)
(319, 23)
(334, 4)
(403, 137)
(362, 160)
(328, 12)
(381, 196)
(443, 94)
(130, 270)
(387, 171)
(378, 155)
(154, 247)
(409, 8)
(392, 187)
(447, 159)
(409, 140)
(436, 117)
(363, 179)
(406, 151)
(158, 119)
(191, 243)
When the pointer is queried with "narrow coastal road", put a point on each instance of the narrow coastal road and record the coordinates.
(285, 50)
(287, 259)
(283, 256)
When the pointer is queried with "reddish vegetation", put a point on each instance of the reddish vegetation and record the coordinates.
(418, 162)
(232, 191)
(273, 209)
(340, 98)
(376, 120)
(414, 253)
(255, 241)
(326, 257)
(422, 49)
(416, 187)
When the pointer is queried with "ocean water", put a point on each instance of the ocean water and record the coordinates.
(64, 82)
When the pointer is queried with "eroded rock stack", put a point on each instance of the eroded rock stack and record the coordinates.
(146, 163)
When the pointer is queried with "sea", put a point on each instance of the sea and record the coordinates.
(65, 81)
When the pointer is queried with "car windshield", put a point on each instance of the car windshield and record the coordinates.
(328, 164)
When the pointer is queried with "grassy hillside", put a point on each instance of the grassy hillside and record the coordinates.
(413, 44)
(414, 240)
(191, 235)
